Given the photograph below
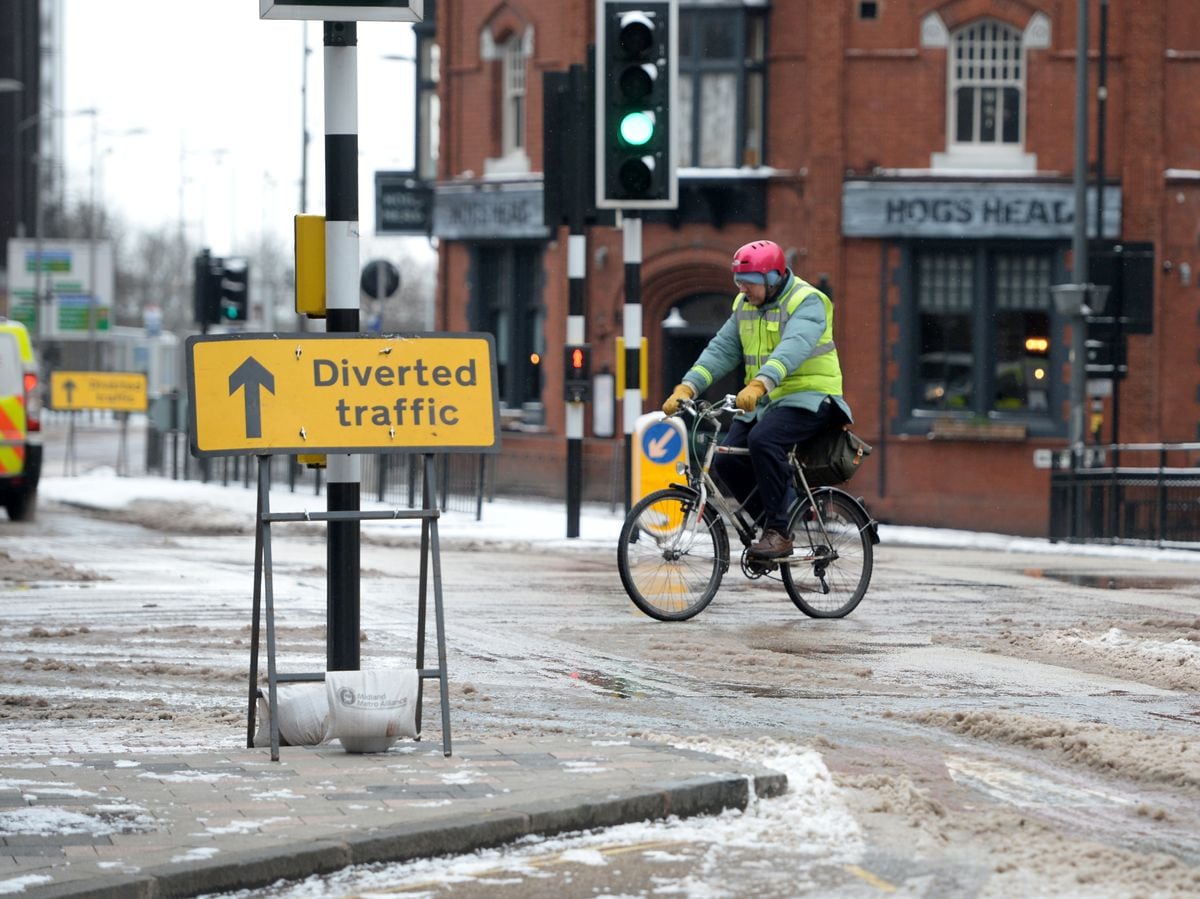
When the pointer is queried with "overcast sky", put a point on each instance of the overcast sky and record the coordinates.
(218, 94)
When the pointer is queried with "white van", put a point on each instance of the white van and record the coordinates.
(20, 428)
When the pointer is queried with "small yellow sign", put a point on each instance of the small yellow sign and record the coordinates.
(658, 444)
(317, 393)
(119, 391)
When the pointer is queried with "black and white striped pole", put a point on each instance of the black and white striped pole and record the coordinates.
(341, 315)
(631, 233)
(576, 332)
(578, 381)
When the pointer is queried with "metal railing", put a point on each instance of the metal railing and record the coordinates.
(464, 480)
(1127, 493)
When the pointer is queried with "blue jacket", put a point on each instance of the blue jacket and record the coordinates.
(804, 328)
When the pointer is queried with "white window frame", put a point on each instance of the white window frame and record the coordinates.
(515, 114)
(514, 55)
(997, 72)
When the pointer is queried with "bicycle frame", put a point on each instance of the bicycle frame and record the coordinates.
(707, 488)
(674, 545)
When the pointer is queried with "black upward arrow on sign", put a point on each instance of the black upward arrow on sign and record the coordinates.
(250, 376)
(69, 387)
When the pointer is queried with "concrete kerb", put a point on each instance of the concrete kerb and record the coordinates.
(405, 842)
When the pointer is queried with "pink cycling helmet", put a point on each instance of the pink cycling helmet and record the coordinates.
(762, 258)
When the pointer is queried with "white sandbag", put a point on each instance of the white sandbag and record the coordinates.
(303, 715)
(370, 710)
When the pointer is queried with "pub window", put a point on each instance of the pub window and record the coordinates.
(982, 330)
(985, 100)
(513, 117)
(510, 54)
(428, 107)
(722, 64)
(506, 303)
(987, 85)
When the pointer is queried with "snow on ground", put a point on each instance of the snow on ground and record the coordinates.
(807, 828)
(505, 519)
(815, 822)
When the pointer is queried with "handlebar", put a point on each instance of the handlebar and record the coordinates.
(704, 409)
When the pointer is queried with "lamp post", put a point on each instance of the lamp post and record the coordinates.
(18, 169)
(43, 328)
(1077, 302)
(217, 155)
(92, 237)
(1071, 299)
(12, 86)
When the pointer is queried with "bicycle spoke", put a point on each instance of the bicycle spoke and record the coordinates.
(835, 557)
(669, 557)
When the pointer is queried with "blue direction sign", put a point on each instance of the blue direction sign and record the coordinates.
(661, 442)
(659, 445)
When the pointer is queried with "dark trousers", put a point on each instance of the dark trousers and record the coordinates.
(769, 438)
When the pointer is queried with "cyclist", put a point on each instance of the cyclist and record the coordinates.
(781, 329)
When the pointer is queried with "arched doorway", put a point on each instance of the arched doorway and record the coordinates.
(686, 331)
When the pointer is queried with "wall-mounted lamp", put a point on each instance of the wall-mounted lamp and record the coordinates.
(674, 321)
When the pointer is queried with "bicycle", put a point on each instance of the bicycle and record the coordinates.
(674, 546)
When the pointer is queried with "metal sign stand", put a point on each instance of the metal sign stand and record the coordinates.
(69, 455)
(430, 558)
(123, 447)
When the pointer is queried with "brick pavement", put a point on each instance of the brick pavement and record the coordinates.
(180, 825)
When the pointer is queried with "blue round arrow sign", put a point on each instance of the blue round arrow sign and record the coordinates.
(661, 442)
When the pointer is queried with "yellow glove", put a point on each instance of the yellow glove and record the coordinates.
(747, 399)
(675, 400)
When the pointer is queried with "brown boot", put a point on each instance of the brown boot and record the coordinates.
(773, 545)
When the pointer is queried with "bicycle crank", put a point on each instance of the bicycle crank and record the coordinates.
(754, 567)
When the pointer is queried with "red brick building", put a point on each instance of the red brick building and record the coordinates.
(916, 154)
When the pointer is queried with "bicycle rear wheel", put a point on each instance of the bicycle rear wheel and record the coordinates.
(670, 563)
(831, 567)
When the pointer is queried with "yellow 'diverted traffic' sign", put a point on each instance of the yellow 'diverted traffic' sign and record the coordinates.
(118, 391)
(315, 393)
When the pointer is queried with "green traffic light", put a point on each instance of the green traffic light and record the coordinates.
(637, 128)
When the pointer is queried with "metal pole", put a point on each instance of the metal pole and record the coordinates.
(631, 227)
(1101, 118)
(1118, 311)
(1079, 260)
(577, 283)
(44, 318)
(91, 282)
(1079, 244)
(304, 127)
(341, 315)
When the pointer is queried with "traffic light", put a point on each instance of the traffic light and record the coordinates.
(578, 373)
(206, 289)
(636, 75)
(235, 290)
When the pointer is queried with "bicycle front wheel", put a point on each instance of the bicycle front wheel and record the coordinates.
(831, 568)
(671, 560)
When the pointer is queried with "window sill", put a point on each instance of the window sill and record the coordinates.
(515, 163)
(968, 159)
(992, 431)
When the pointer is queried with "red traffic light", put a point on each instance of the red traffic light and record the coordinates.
(577, 372)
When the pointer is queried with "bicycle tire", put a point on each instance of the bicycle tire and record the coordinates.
(845, 580)
(667, 579)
